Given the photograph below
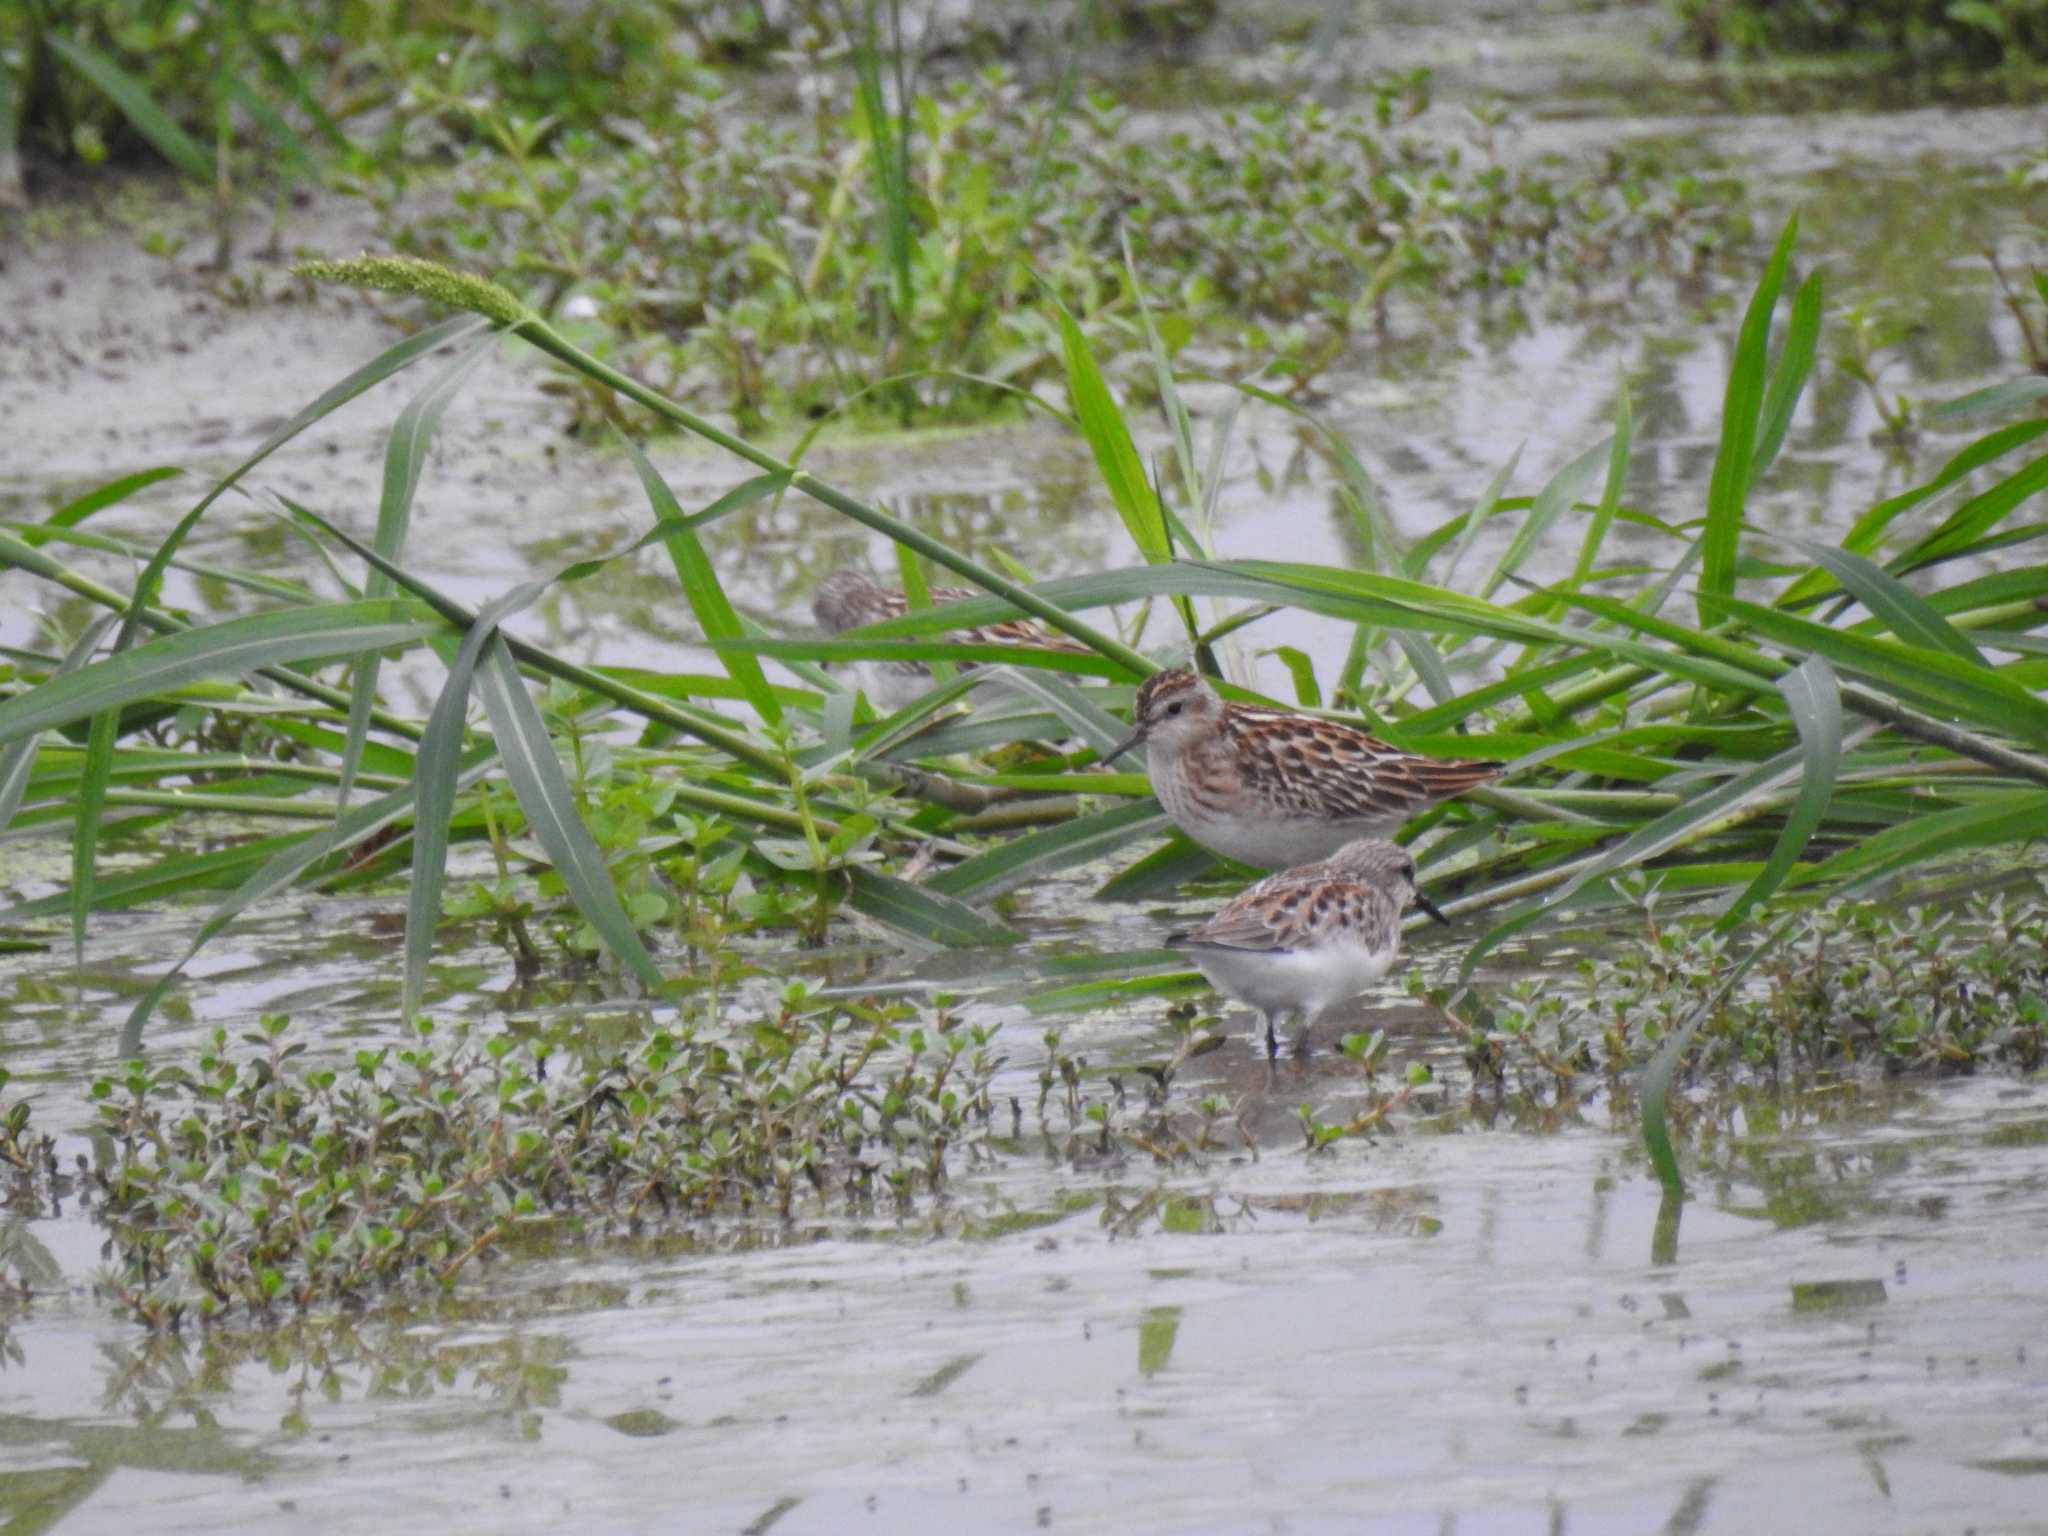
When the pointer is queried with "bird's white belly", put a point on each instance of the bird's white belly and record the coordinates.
(1305, 981)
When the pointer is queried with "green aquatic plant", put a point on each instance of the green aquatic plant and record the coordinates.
(895, 253)
(1980, 33)
(260, 1180)
(1934, 987)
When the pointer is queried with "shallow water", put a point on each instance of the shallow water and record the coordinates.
(1473, 1322)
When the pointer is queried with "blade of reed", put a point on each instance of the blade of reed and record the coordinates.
(1735, 463)
(1563, 489)
(1788, 379)
(1489, 502)
(1610, 491)
(544, 795)
(1904, 612)
(1699, 814)
(1160, 873)
(1037, 855)
(227, 649)
(76, 511)
(699, 578)
(917, 594)
(1086, 719)
(2001, 817)
(923, 912)
(1815, 704)
(1109, 439)
(405, 454)
(18, 759)
(1935, 679)
(434, 775)
(1024, 657)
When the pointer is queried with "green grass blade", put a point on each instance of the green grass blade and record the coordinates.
(1564, 488)
(434, 778)
(1610, 490)
(1161, 872)
(76, 511)
(1109, 439)
(1788, 379)
(1978, 516)
(18, 759)
(405, 454)
(2008, 816)
(1700, 813)
(228, 649)
(1734, 464)
(1935, 680)
(1037, 855)
(923, 913)
(85, 823)
(1086, 719)
(699, 579)
(132, 99)
(1815, 703)
(1489, 502)
(544, 795)
(1900, 609)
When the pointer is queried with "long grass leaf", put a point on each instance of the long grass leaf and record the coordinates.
(1037, 855)
(1728, 487)
(227, 649)
(1815, 704)
(77, 510)
(1788, 378)
(1610, 490)
(405, 454)
(1489, 502)
(699, 579)
(2004, 817)
(434, 777)
(1901, 610)
(923, 913)
(543, 791)
(1935, 680)
(1109, 439)
(17, 759)
(1160, 873)
(1562, 490)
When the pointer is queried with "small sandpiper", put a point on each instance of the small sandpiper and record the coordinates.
(1310, 937)
(851, 599)
(1271, 788)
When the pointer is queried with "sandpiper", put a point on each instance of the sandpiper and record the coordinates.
(1271, 788)
(1310, 937)
(850, 599)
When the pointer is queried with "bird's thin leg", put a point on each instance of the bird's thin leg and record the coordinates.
(1272, 1038)
(1301, 1041)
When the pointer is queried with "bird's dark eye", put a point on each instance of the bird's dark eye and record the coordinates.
(1173, 708)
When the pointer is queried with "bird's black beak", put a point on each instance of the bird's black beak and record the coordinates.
(1431, 908)
(1137, 735)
